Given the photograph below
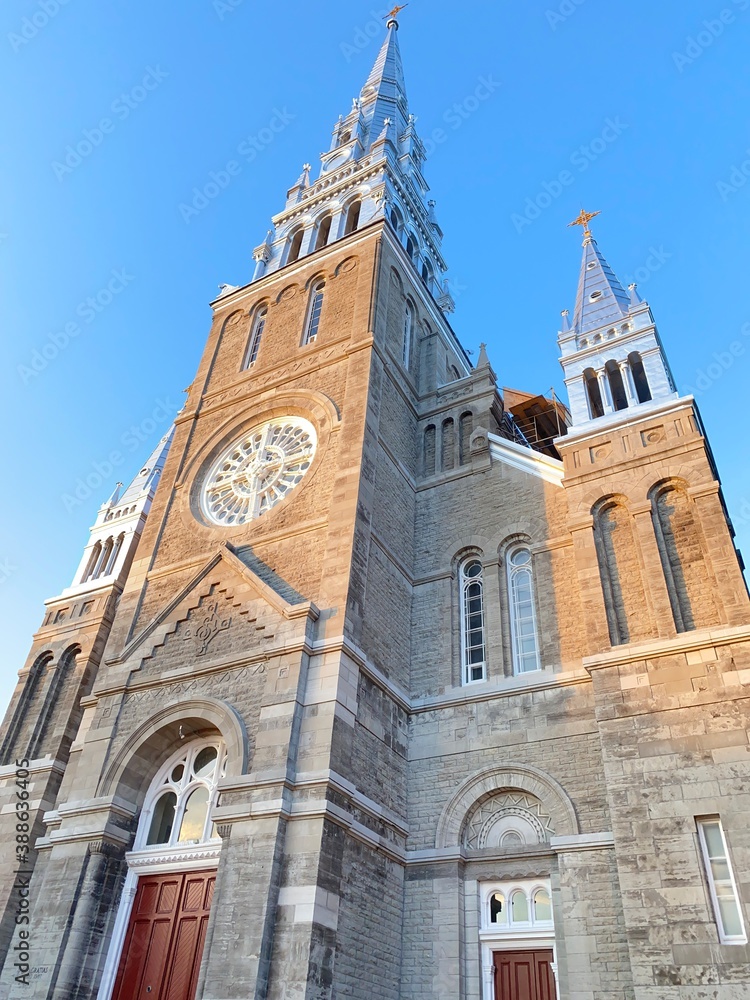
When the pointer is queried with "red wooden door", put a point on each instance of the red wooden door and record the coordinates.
(524, 975)
(164, 942)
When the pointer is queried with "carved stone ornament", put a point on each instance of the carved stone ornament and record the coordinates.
(212, 624)
(506, 820)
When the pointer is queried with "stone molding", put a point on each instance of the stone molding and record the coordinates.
(685, 642)
(583, 842)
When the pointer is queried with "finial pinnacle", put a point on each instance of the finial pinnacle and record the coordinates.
(391, 17)
(583, 220)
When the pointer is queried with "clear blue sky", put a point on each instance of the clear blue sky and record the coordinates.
(216, 74)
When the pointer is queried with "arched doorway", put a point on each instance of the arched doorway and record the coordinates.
(161, 924)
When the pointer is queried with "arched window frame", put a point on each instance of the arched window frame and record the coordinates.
(616, 386)
(257, 330)
(187, 784)
(593, 394)
(506, 924)
(314, 310)
(323, 231)
(112, 562)
(353, 214)
(473, 620)
(524, 627)
(296, 239)
(640, 378)
(88, 573)
(408, 334)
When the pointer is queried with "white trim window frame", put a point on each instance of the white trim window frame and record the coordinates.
(522, 608)
(408, 329)
(312, 325)
(473, 622)
(722, 884)
(253, 347)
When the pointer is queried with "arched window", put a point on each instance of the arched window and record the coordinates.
(466, 427)
(453, 373)
(295, 246)
(619, 567)
(26, 710)
(523, 624)
(88, 573)
(256, 334)
(525, 906)
(473, 644)
(617, 386)
(680, 547)
(427, 273)
(640, 379)
(352, 217)
(596, 407)
(448, 446)
(429, 450)
(316, 307)
(112, 562)
(411, 247)
(324, 232)
(99, 569)
(408, 330)
(64, 668)
(179, 804)
(498, 911)
(519, 908)
(396, 220)
(542, 906)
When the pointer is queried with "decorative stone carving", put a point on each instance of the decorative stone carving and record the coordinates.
(212, 624)
(508, 820)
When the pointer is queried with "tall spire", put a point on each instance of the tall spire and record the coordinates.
(601, 298)
(384, 94)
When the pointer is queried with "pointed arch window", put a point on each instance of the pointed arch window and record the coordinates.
(429, 450)
(352, 217)
(88, 573)
(473, 638)
(316, 307)
(256, 335)
(411, 247)
(408, 331)
(396, 221)
(112, 562)
(182, 796)
(525, 638)
(324, 232)
(295, 246)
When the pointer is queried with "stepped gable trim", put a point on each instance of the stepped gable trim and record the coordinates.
(224, 554)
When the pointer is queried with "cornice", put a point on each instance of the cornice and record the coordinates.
(685, 642)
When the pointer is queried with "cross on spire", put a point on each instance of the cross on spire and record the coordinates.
(583, 220)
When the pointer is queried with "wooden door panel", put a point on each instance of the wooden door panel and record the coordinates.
(524, 975)
(164, 942)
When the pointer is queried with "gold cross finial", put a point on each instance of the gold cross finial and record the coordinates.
(583, 220)
(395, 12)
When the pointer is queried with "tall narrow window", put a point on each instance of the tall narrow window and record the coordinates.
(352, 217)
(408, 328)
(92, 563)
(324, 232)
(639, 377)
(473, 645)
(721, 882)
(411, 247)
(295, 247)
(522, 612)
(115, 554)
(464, 440)
(448, 446)
(596, 407)
(628, 615)
(429, 450)
(396, 221)
(316, 307)
(617, 386)
(253, 347)
(101, 566)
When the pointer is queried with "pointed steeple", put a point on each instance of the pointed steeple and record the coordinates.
(147, 479)
(384, 94)
(601, 298)
(612, 355)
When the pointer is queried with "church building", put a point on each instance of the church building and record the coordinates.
(378, 683)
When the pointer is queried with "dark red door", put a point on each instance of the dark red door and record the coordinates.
(524, 975)
(164, 943)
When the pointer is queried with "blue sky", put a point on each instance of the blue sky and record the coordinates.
(106, 284)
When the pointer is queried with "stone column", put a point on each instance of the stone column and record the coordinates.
(604, 390)
(627, 379)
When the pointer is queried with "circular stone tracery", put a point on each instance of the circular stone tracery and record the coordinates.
(258, 471)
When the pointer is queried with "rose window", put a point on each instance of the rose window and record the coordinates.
(259, 471)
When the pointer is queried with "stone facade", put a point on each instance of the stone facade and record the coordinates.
(376, 795)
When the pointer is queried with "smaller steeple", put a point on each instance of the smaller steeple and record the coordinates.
(612, 355)
(119, 525)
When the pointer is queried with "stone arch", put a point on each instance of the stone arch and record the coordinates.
(32, 690)
(620, 571)
(495, 780)
(131, 771)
